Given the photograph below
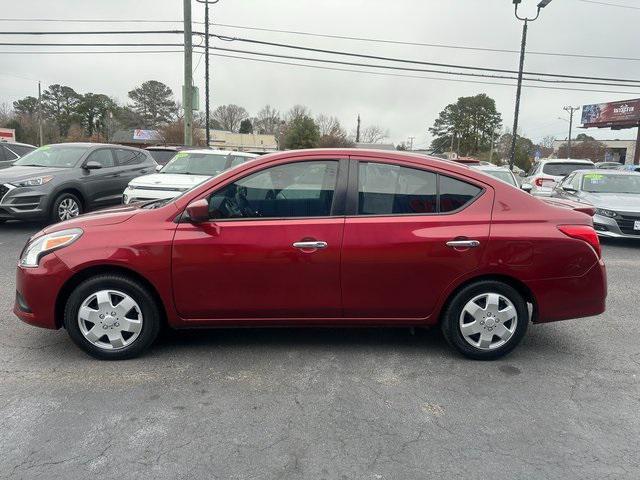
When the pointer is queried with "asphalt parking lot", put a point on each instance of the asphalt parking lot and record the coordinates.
(325, 404)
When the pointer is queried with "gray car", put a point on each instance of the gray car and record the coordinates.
(61, 181)
(614, 193)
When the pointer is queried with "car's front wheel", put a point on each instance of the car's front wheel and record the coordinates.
(112, 317)
(65, 207)
(485, 320)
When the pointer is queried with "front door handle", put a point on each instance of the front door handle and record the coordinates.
(310, 245)
(463, 243)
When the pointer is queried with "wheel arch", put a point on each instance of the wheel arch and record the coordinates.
(513, 282)
(92, 271)
(74, 190)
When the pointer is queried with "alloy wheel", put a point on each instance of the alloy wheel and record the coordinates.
(110, 319)
(68, 208)
(488, 321)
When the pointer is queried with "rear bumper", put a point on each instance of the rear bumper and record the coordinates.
(37, 290)
(576, 297)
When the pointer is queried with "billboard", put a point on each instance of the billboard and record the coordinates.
(139, 134)
(614, 115)
(7, 134)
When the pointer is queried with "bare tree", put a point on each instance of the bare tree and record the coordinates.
(328, 125)
(373, 134)
(298, 111)
(267, 121)
(229, 116)
(331, 132)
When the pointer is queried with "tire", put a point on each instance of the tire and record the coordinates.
(127, 333)
(500, 329)
(64, 207)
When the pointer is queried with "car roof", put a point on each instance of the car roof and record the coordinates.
(222, 152)
(603, 171)
(91, 145)
(18, 143)
(490, 168)
(566, 160)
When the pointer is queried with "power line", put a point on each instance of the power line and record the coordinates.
(47, 44)
(319, 67)
(339, 37)
(422, 44)
(416, 62)
(610, 4)
(411, 69)
(318, 50)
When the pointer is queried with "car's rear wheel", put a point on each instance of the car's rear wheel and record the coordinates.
(112, 317)
(485, 320)
(65, 207)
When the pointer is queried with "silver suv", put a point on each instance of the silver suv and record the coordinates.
(548, 172)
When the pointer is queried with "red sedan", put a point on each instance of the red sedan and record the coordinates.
(318, 237)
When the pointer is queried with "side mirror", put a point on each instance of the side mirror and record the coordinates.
(158, 168)
(92, 165)
(569, 189)
(527, 187)
(198, 211)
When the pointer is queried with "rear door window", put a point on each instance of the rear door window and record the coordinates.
(564, 169)
(385, 189)
(129, 157)
(7, 154)
(21, 150)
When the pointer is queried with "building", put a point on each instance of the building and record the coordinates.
(243, 142)
(621, 151)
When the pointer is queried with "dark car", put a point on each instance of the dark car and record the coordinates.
(163, 153)
(61, 181)
(11, 151)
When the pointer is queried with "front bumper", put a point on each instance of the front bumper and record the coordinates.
(615, 228)
(37, 291)
(144, 194)
(23, 203)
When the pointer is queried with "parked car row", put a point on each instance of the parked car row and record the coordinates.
(61, 181)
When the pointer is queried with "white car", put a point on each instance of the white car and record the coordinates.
(183, 172)
(547, 173)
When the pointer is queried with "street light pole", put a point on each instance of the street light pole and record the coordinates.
(523, 45)
(187, 101)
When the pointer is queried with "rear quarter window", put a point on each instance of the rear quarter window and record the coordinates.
(456, 194)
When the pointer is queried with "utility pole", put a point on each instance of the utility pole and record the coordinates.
(493, 142)
(523, 47)
(571, 111)
(40, 114)
(206, 67)
(187, 89)
(358, 130)
(411, 139)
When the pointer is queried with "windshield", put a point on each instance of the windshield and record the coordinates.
(602, 183)
(502, 175)
(196, 164)
(162, 156)
(60, 156)
(564, 169)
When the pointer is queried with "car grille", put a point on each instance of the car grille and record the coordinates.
(626, 221)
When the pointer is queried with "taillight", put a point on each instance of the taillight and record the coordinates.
(539, 182)
(582, 232)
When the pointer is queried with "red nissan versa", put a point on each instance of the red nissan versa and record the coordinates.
(318, 237)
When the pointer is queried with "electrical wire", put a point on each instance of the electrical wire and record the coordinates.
(609, 4)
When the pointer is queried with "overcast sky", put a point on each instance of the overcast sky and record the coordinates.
(404, 106)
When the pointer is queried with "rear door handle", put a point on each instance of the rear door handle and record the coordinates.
(463, 243)
(310, 245)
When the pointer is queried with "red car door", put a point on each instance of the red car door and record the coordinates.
(398, 256)
(271, 249)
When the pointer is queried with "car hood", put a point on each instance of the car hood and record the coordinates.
(623, 202)
(108, 216)
(175, 180)
(17, 173)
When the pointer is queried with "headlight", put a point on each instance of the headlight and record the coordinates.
(606, 213)
(47, 243)
(33, 182)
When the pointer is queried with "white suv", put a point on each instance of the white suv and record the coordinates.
(183, 172)
(546, 173)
